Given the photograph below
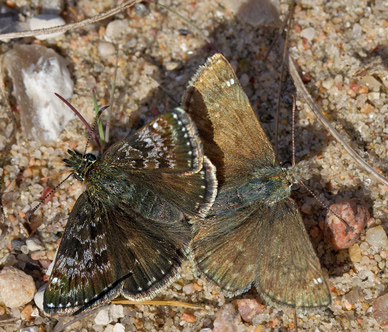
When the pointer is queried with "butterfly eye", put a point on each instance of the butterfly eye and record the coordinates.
(295, 187)
(90, 157)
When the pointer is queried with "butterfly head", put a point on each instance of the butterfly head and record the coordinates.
(80, 163)
(298, 173)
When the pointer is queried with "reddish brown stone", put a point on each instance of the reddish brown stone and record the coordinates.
(344, 233)
(248, 308)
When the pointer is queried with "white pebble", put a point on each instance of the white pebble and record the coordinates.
(33, 244)
(119, 328)
(116, 312)
(105, 49)
(188, 289)
(102, 317)
(46, 21)
(377, 237)
(308, 33)
(115, 29)
(244, 79)
(37, 73)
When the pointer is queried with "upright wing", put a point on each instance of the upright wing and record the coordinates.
(289, 269)
(233, 138)
(165, 158)
(168, 144)
(105, 252)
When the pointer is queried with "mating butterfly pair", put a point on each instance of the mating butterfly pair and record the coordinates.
(127, 233)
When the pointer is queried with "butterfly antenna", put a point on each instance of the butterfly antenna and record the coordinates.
(293, 130)
(91, 132)
(111, 100)
(190, 24)
(169, 95)
(78, 114)
(285, 50)
(47, 196)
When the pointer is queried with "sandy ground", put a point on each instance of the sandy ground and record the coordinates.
(341, 38)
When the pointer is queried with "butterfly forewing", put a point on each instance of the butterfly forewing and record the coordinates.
(76, 283)
(226, 121)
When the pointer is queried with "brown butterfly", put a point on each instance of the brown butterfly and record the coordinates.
(254, 233)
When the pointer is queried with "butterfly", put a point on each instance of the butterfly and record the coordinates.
(254, 233)
(127, 233)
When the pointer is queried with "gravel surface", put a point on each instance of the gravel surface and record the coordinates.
(330, 40)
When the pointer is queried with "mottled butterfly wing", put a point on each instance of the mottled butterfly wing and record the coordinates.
(105, 252)
(168, 144)
(289, 270)
(166, 158)
(86, 272)
(233, 138)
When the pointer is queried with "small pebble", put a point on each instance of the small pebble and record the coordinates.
(172, 65)
(248, 308)
(187, 317)
(17, 244)
(227, 319)
(355, 253)
(308, 33)
(119, 328)
(33, 244)
(105, 49)
(30, 329)
(52, 6)
(344, 234)
(188, 289)
(26, 312)
(44, 263)
(116, 312)
(380, 310)
(352, 297)
(377, 237)
(46, 21)
(141, 10)
(16, 287)
(102, 318)
(115, 29)
(38, 255)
